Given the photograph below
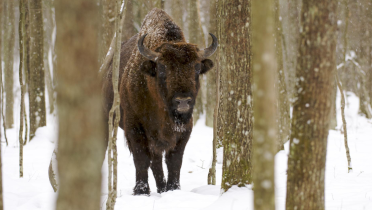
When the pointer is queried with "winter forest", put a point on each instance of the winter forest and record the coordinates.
(186, 104)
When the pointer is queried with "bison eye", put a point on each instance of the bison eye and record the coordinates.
(198, 68)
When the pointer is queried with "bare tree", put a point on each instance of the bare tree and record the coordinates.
(196, 37)
(8, 61)
(264, 97)
(81, 139)
(1, 105)
(22, 106)
(283, 102)
(115, 109)
(235, 96)
(37, 75)
(310, 123)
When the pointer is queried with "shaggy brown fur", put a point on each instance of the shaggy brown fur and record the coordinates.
(148, 90)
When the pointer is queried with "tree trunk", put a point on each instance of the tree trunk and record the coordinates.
(235, 104)
(310, 123)
(8, 61)
(196, 37)
(128, 27)
(22, 106)
(292, 45)
(283, 103)
(211, 86)
(37, 78)
(113, 122)
(1, 104)
(264, 24)
(108, 27)
(81, 139)
(177, 12)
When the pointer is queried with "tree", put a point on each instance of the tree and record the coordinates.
(128, 27)
(264, 97)
(1, 107)
(177, 12)
(8, 61)
(80, 139)
(196, 37)
(114, 120)
(211, 88)
(107, 29)
(37, 76)
(310, 123)
(283, 102)
(235, 103)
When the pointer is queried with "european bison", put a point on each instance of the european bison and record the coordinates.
(158, 85)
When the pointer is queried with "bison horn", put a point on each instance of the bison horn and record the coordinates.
(211, 49)
(145, 51)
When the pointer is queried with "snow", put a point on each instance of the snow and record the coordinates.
(343, 190)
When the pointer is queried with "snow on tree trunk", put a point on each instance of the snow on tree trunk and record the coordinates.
(310, 123)
(80, 137)
(235, 104)
(8, 60)
(37, 78)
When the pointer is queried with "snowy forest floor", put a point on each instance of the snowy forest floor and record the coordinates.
(343, 190)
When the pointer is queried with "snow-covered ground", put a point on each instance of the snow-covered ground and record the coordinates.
(343, 190)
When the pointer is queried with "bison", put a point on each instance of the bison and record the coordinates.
(158, 84)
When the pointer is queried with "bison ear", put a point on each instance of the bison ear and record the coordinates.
(148, 67)
(207, 64)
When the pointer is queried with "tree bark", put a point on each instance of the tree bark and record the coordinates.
(8, 61)
(310, 123)
(22, 106)
(177, 12)
(196, 37)
(265, 143)
(283, 103)
(128, 27)
(114, 120)
(80, 139)
(1, 105)
(108, 27)
(211, 87)
(235, 104)
(37, 78)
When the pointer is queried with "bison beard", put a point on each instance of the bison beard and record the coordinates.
(158, 84)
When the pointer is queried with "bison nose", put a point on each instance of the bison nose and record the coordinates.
(183, 104)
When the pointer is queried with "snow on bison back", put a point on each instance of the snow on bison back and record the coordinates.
(158, 85)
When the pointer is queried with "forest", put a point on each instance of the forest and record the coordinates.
(185, 104)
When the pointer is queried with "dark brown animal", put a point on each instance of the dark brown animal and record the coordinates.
(159, 82)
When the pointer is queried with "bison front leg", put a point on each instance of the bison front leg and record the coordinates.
(157, 170)
(173, 159)
(141, 158)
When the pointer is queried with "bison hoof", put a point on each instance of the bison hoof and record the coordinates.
(141, 189)
(161, 190)
(173, 186)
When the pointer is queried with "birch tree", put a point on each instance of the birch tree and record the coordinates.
(80, 137)
(310, 123)
(37, 74)
(235, 99)
(264, 97)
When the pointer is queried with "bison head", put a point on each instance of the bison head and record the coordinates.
(175, 68)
